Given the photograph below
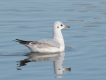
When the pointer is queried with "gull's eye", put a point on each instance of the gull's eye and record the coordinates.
(61, 25)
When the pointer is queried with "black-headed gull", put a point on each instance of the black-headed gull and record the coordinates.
(56, 44)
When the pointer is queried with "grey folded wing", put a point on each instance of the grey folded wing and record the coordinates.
(46, 43)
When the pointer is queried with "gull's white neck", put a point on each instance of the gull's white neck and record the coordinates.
(57, 35)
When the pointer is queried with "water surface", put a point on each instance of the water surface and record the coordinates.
(85, 53)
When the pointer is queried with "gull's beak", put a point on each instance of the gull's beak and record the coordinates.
(67, 69)
(66, 26)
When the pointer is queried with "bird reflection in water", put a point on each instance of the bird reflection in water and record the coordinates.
(57, 59)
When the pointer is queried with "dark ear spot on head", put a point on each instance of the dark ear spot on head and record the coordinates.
(57, 26)
(59, 69)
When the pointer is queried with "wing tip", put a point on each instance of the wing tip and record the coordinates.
(22, 41)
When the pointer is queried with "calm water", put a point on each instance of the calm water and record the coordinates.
(85, 54)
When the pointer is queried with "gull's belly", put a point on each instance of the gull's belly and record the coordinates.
(46, 50)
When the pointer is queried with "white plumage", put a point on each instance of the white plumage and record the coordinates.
(56, 44)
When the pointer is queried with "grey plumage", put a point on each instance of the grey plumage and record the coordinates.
(40, 44)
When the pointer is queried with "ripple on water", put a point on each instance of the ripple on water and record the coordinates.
(91, 26)
(104, 13)
(76, 20)
(68, 48)
(102, 2)
(82, 4)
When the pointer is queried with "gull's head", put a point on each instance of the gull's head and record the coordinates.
(59, 25)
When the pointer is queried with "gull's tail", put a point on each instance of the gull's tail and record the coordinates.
(23, 42)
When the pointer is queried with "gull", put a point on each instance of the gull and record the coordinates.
(56, 44)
